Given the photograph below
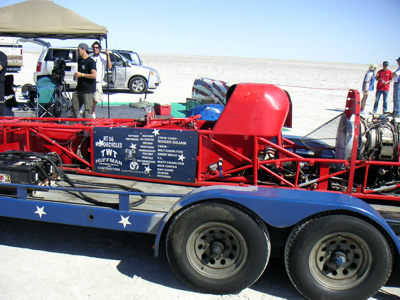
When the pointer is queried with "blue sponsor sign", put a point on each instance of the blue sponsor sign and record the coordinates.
(146, 153)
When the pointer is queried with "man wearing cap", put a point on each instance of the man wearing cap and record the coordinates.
(383, 77)
(86, 86)
(368, 84)
(396, 90)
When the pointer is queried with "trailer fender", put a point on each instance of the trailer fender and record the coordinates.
(279, 207)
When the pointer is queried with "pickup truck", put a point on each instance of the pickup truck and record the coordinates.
(13, 49)
(224, 196)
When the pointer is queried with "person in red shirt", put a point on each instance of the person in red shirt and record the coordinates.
(383, 78)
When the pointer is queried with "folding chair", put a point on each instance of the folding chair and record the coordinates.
(45, 87)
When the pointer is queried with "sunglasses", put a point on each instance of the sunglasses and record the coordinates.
(96, 47)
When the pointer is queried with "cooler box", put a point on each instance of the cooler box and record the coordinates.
(190, 103)
(162, 109)
(29, 113)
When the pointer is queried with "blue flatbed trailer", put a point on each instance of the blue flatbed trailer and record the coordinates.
(219, 238)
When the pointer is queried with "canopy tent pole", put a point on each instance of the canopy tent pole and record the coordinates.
(108, 83)
(102, 101)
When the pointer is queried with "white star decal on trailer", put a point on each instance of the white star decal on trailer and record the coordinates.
(40, 211)
(125, 221)
(181, 157)
(156, 132)
(147, 170)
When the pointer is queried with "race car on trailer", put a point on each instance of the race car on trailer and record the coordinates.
(241, 191)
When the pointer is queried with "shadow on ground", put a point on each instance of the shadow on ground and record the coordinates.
(134, 251)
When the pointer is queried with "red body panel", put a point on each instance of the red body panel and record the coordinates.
(254, 109)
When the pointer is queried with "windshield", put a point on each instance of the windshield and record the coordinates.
(132, 57)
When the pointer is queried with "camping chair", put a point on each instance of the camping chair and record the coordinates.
(9, 93)
(45, 87)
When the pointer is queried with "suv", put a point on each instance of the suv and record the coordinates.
(130, 55)
(125, 74)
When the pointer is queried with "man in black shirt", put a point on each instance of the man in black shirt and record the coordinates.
(3, 70)
(86, 86)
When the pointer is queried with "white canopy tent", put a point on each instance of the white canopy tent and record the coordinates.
(45, 19)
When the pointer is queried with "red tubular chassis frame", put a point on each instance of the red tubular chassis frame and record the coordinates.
(251, 123)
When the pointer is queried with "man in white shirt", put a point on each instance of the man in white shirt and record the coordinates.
(101, 60)
(368, 84)
(396, 90)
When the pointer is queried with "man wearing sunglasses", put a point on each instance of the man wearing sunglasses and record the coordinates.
(101, 60)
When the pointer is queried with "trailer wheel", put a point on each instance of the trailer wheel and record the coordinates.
(337, 257)
(137, 85)
(217, 248)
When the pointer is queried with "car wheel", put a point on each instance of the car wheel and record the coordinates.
(217, 248)
(337, 257)
(137, 85)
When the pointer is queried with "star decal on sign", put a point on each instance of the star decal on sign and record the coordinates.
(181, 157)
(100, 143)
(156, 132)
(147, 170)
(40, 211)
(125, 221)
(132, 146)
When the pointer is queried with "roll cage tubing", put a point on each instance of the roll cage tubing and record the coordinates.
(46, 135)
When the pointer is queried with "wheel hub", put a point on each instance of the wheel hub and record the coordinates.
(218, 248)
(341, 257)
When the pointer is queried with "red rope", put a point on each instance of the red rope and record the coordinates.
(313, 88)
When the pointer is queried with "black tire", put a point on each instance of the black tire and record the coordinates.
(216, 248)
(26, 87)
(137, 85)
(337, 257)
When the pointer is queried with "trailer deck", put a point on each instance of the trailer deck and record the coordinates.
(152, 203)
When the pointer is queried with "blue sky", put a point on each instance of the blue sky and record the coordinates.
(349, 31)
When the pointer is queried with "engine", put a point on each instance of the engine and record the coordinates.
(333, 141)
(379, 138)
